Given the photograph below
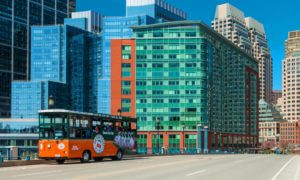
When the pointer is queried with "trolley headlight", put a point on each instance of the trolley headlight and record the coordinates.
(49, 146)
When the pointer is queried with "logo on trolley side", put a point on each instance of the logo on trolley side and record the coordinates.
(99, 144)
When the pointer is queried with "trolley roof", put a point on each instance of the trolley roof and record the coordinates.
(93, 115)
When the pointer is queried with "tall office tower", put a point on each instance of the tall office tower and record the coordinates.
(292, 44)
(93, 20)
(65, 62)
(16, 17)
(276, 94)
(291, 77)
(140, 12)
(158, 9)
(261, 52)
(249, 34)
(180, 78)
(230, 22)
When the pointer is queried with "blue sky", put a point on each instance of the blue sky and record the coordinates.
(278, 17)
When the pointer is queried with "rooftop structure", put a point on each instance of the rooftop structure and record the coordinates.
(155, 9)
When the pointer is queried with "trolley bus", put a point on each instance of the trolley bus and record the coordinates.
(65, 135)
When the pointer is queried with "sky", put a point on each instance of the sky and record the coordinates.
(278, 17)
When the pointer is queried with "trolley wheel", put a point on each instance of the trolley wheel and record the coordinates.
(86, 156)
(118, 157)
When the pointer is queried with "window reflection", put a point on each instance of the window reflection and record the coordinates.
(19, 127)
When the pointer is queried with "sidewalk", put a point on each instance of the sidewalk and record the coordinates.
(24, 163)
(42, 161)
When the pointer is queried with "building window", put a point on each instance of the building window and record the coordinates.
(141, 47)
(126, 71)
(126, 48)
(126, 56)
(126, 83)
(126, 91)
(172, 56)
(157, 47)
(157, 65)
(190, 46)
(190, 34)
(126, 101)
(157, 56)
(126, 74)
(174, 65)
(140, 35)
(174, 109)
(141, 92)
(141, 83)
(143, 101)
(20, 143)
(158, 34)
(126, 65)
(125, 109)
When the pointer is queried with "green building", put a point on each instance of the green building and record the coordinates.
(268, 112)
(188, 78)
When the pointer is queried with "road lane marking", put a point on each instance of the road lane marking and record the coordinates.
(38, 173)
(197, 172)
(297, 175)
(282, 168)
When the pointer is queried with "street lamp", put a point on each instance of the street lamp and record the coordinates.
(199, 137)
(157, 126)
(51, 102)
(183, 128)
(206, 139)
(221, 139)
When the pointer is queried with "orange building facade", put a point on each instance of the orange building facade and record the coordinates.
(123, 83)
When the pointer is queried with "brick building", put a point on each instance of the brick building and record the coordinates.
(290, 133)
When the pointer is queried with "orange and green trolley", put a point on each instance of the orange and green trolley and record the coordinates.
(65, 135)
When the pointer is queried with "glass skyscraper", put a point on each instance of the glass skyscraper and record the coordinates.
(65, 65)
(16, 17)
(140, 12)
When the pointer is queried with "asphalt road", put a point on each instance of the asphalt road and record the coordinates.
(196, 167)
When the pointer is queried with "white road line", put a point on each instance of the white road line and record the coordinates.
(282, 168)
(197, 172)
(297, 175)
(38, 173)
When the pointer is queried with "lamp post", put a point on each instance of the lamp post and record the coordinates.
(51, 102)
(222, 144)
(206, 139)
(199, 126)
(157, 126)
(183, 128)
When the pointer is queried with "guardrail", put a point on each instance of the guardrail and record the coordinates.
(187, 151)
(22, 157)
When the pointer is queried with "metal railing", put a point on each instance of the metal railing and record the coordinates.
(27, 157)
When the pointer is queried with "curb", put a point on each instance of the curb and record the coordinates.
(14, 163)
(24, 163)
